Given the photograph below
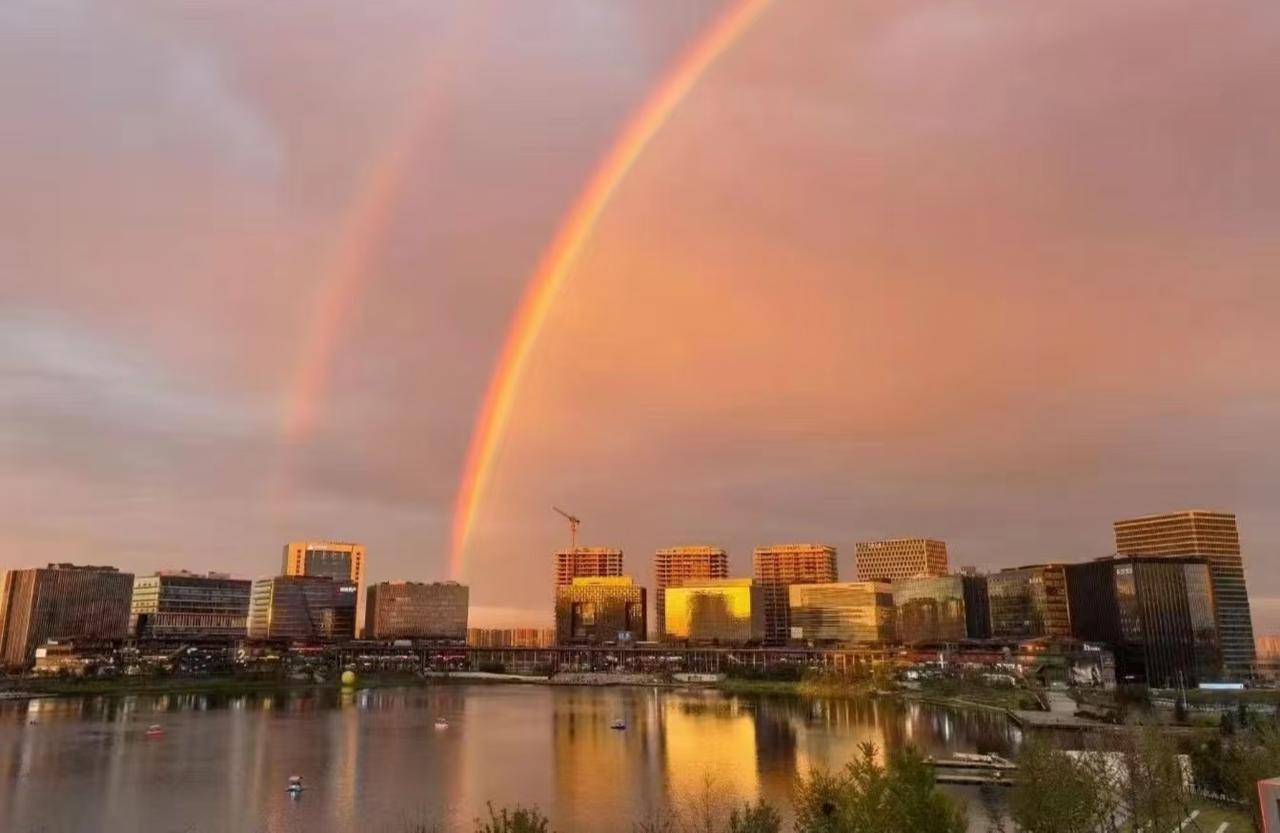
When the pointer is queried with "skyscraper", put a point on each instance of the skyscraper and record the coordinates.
(898, 558)
(1213, 536)
(61, 601)
(776, 568)
(675, 566)
(334, 559)
(587, 562)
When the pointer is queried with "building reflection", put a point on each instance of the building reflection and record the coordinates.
(710, 740)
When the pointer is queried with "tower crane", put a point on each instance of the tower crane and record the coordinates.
(574, 523)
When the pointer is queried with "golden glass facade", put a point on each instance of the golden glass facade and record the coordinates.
(675, 566)
(716, 611)
(894, 559)
(843, 613)
(1029, 603)
(595, 611)
(1215, 537)
(779, 566)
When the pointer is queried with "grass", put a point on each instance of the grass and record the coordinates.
(1212, 815)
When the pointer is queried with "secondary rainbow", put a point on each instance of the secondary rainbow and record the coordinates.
(558, 259)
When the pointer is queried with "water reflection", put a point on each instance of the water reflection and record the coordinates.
(375, 761)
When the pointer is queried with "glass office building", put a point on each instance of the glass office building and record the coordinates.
(182, 605)
(843, 613)
(942, 609)
(596, 611)
(1156, 613)
(302, 609)
(1029, 603)
(716, 611)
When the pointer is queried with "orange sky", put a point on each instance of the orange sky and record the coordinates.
(997, 273)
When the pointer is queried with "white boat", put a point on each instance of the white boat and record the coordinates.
(295, 787)
(618, 724)
(441, 723)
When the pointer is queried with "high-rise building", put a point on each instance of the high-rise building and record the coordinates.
(675, 566)
(338, 560)
(777, 567)
(587, 562)
(1215, 537)
(413, 610)
(594, 611)
(942, 608)
(1156, 614)
(182, 605)
(1029, 603)
(843, 613)
(723, 610)
(60, 601)
(302, 609)
(897, 558)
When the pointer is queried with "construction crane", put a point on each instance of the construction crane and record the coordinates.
(574, 523)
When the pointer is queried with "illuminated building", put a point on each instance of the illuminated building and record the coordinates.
(511, 637)
(1268, 651)
(587, 562)
(1029, 603)
(843, 613)
(182, 605)
(61, 602)
(1214, 537)
(942, 608)
(725, 610)
(1156, 613)
(595, 611)
(303, 609)
(413, 610)
(675, 566)
(779, 566)
(898, 558)
(337, 560)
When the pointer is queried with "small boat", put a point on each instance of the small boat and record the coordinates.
(618, 724)
(441, 723)
(155, 730)
(295, 787)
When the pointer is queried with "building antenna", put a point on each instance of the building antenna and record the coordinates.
(574, 523)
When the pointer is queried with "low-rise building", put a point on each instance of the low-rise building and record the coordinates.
(414, 610)
(302, 609)
(723, 611)
(843, 613)
(182, 605)
(600, 610)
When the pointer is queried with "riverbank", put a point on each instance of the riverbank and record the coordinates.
(31, 688)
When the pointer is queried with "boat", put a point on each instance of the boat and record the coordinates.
(441, 723)
(295, 787)
(155, 730)
(618, 724)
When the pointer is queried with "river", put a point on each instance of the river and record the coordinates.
(374, 762)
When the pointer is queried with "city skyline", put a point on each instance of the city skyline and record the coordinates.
(882, 272)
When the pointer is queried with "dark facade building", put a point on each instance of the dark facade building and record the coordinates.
(182, 605)
(302, 609)
(942, 608)
(593, 611)
(1214, 537)
(62, 602)
(338, 560)
(1029, 603)
(776, 568)
(413, 610)
(1156, 613)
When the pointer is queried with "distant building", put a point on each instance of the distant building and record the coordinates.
(511, 637)
(675, 566)
(1156, 613)
(303, 609)
(61, 602)
(413, 610)
(893, 559)
(779, 566)
(1029, 603)
(1268, 651)
(1215, 537)
(942, 608)
(587, 562)
(182, 605)
(594, 611)
(335, 559)
(843, 613)
(724, 611)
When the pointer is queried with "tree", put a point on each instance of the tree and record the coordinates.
(1078, 801)
(518, 820)
(1155, 791)
(867, 797)
(755, 818)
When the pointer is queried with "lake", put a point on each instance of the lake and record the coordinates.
(373, 761)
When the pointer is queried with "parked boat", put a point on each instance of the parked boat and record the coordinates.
(295, 787)
(618, 724)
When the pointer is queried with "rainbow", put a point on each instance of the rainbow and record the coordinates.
(558, 259)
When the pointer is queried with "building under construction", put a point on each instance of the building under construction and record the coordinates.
(587, 562)
(676, 566)
(779, 566)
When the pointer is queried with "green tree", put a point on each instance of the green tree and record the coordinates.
(1079, 800)
(517, 820)
(1155, 790)
(869, 798)
(755, 818)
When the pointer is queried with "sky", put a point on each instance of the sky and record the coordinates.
(994, 272)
